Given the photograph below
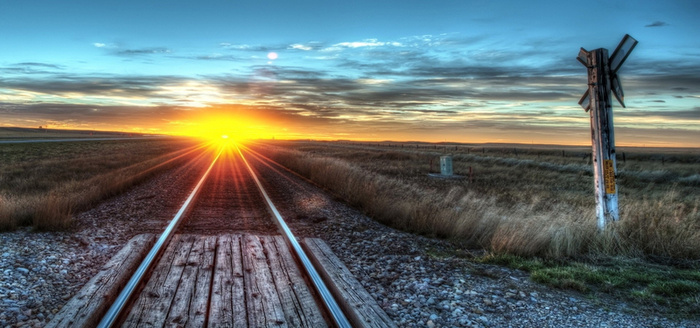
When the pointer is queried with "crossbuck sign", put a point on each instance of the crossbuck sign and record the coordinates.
(602, 80)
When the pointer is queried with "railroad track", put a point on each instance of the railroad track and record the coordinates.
(229, 199)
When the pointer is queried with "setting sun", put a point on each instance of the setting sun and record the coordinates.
(234, 123)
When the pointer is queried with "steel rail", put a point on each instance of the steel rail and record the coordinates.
(328, 299)
(118, 306)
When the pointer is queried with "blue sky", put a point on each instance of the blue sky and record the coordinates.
(469, 71)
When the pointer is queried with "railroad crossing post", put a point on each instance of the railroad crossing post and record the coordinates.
(602, 80)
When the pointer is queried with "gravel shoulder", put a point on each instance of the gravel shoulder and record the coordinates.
(417, 280)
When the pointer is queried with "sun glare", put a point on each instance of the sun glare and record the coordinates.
(223, 127)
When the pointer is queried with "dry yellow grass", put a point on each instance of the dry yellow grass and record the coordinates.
(521, 206)
(43, 185)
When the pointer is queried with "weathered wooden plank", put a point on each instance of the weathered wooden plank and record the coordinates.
(227, 306)
(189, 306)
(200, 303)
(152, 305)
(359, 306)
(298, 304)
(88, 306)
(263, 303)
(179, 308)
(221, 309)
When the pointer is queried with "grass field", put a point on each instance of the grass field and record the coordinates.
(520, 200)
(44, 184)
(531, 208)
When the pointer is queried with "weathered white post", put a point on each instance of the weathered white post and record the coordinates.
(602, 80)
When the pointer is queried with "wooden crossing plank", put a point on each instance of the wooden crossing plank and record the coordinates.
(200, 304)
(263, 303)
(225, 281)
(88, 306)
(152, 305)
(189, 306)
(227, 306)
(298, 303)
(359, 306)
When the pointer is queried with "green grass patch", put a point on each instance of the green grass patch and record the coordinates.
(635, 281)
(675, 288)
(515, 262)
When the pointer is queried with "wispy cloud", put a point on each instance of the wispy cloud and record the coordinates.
(657, 24)
(367, 43)
(103, 45)
(250, 47)
(227, 45)
(63, 85)
(362, 44)
(692, 114)
(305, 47)
(32, 68)
(44, 65)
(216, 56)
(142, 51)
(86, 115)
(121, 50)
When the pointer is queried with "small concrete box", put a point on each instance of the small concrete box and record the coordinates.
(446, 165)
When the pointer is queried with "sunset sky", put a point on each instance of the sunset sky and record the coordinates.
(464, 71)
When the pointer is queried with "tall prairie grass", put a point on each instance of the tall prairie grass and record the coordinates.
(511, 208)
(44, 185)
